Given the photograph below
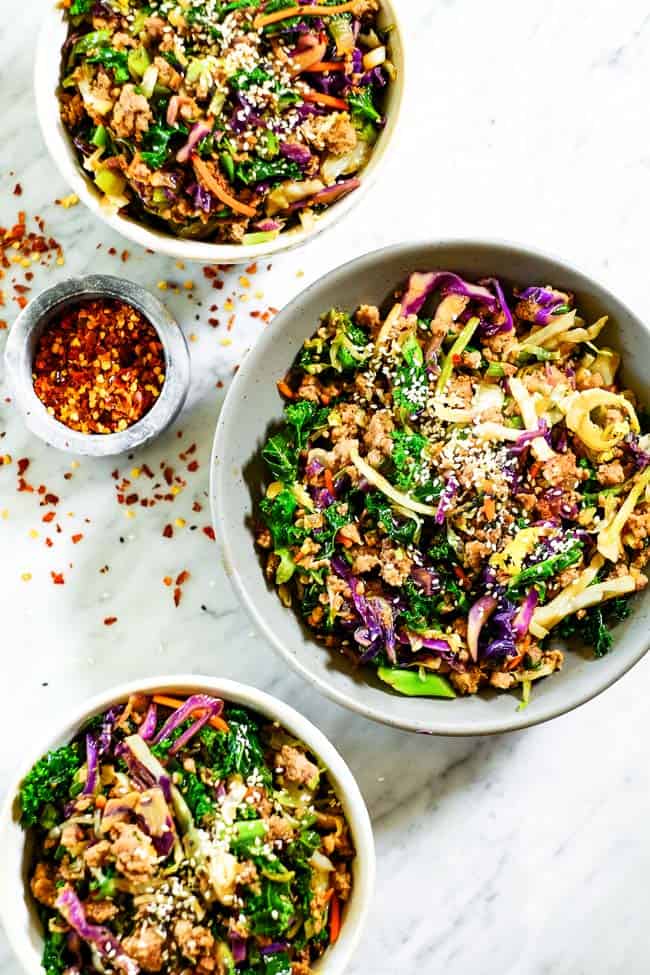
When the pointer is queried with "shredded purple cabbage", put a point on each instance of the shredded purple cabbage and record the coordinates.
(96, 935)
(547, 299)
(92, 762)
(421, 285)
(449, 492)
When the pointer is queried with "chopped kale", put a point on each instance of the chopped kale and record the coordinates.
(49, 781)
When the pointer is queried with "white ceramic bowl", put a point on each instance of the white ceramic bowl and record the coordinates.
(17, 908)
(46, 80)
(253, 405)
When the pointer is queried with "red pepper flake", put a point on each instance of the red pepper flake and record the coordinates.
(99, 367)
(168, 531)
(110, 620)
(197, 506)
(50, 498)
(50, 516)
(18, 190)
(193, 466)
(251, 269)
(77, 538)
(24, 486)
(177, 595)
(167, 581)
(168, 474)
(146, 470)
(209, 531)
(57, 578)
(182, 577)
(131, 498)
(23, 464)
(49, 543)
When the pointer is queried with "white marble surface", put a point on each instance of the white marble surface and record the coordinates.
(527, 854)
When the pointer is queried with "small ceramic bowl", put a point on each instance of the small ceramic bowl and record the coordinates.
(18, 911)
(253, 405)
(46, 81)
(19, 354)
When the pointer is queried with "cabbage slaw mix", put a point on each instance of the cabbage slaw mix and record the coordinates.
(224, 121)
(176, 835)
(457, 483)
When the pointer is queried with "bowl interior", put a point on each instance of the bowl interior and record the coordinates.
(253, 404)
(17, 908)
(46, 81)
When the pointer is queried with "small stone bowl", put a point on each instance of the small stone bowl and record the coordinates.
(19, 354)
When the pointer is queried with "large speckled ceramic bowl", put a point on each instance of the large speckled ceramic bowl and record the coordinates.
(253, 404)
(18, 911)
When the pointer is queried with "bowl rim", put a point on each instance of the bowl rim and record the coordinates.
(63, 155)
(232, 559)
(18, 362)
(339, 955)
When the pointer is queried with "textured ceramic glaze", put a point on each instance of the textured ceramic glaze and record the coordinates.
(46, 79)
(16, 907)
(253, 405)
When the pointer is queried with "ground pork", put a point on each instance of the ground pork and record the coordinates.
(609, 474)
(364, 560)
(460, 390)
(101, 90)
(467, 682)
(72, 838)
(502, 681)
(334, 133)
(377, 437)
(43, 884)
(342, 882)
(350, 533)
(154, 28)
(145, 947)
(193, 940)
(637, 527)
(476, 553)
(396, 565)
(168, 76)
(295, 765)
(100, 911)
(131, 115)
(561, 470)
(134, 852)
(280, 829)
(352, 417)
(72, 110)
(368, 316)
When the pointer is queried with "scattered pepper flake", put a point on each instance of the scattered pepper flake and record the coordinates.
(57, 578)
(77, 538)
(168, 531)
(209, 531)
(110, 620)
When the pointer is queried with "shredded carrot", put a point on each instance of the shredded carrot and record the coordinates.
(285, 390)
(329, 481)
(327, 66)
(461, 575)
(204, 176)
(534, 470)
(319, 99)
(335, 918)
(514, 662)
(305, 60)
(263, 20)
(489, 508)
(342, 540)
(172, 702)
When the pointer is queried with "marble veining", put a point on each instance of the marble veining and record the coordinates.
(519, 855)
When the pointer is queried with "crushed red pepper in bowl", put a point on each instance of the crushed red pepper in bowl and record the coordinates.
(99, 366)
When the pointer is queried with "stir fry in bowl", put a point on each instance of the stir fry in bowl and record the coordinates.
(186, 835)
(458, 484)
(225, 122)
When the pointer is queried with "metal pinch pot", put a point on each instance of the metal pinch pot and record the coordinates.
(19, 355)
